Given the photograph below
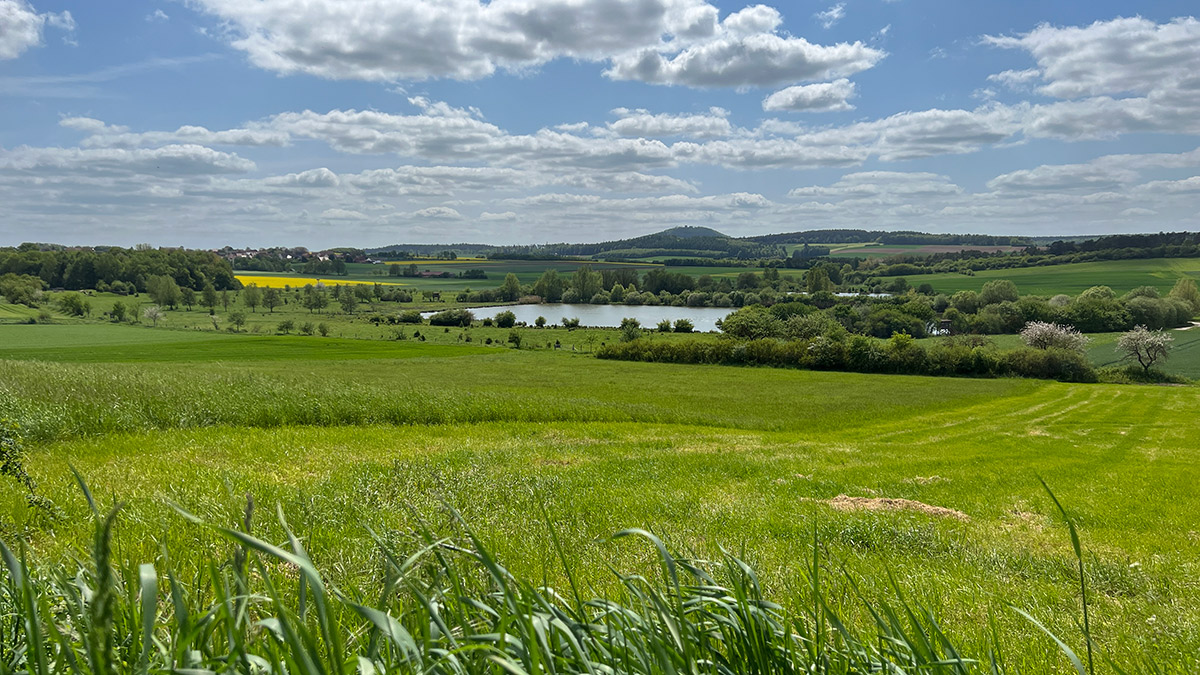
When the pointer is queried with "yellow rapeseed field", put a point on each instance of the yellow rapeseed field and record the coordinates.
(300, 282)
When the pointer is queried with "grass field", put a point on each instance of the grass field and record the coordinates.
(877, 250)
(1121, 275)
(346, 434)
(1184, 358)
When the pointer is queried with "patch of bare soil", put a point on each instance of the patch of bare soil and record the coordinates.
(926, 480)
(845, 503)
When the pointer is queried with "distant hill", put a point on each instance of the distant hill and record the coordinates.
(689, 231)
(691, 242)
(704, 242)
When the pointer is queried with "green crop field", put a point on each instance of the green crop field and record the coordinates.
(1184, 359)
(1072, 279)
(345, 435)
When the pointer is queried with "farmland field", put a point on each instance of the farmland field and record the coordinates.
(1072, 279)
(876, 250)
(350, 434)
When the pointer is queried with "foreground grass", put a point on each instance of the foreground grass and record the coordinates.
(452, 607)
(707, 457)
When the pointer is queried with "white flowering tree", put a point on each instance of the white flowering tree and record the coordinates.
(1145, 346)
(153, 313)
(1044, 335)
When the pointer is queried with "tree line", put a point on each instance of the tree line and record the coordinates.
(117, 270)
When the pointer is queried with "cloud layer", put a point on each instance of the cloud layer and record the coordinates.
(656, 41)
(424, 169)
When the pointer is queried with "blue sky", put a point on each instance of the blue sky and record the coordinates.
(369, 122)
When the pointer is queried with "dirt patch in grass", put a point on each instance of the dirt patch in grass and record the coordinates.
(846, 503)
(926, 480)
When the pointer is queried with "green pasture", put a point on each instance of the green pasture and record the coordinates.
(1072, 279)
(1184, 358)
(122, 344)
(349, 434)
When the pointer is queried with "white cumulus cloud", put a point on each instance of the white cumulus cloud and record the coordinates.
(21, 26)
(657, 41)
(820, 97)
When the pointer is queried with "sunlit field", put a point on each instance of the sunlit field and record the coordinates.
(350, 437)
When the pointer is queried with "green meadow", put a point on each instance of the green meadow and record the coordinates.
(546, 454)
(1121, 275)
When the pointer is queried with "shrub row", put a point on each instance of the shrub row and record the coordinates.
(900, 354)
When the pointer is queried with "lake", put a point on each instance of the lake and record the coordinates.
(703, 318)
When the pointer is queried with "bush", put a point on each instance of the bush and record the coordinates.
(752, 323)
(998, 290)
(1049, 364)
(664, 326)
(506, 319)
(452, 317)
(631, 329)
(409, 316)
(883, 322)
(684, 326)
(809, 326)
(1043, 335)
(1135, 374)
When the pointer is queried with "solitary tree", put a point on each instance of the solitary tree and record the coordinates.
(286, 326)
(153, 313)
(549, 287)
(74, 304)
(818, 280)
(208, 296)
(586, 282)
(1146, 346)
(252, 297)
(347, 299)
(117, 312)
(238, 319)
(1185, 289)
(188, 297)
(271, 299)
(510, 290)
(163, 290)
(506, 319)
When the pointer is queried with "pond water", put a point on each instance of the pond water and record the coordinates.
(703, 318)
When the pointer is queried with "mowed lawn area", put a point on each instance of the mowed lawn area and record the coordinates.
(347, 438)
(1121, 275)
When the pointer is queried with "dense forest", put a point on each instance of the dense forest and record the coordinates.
(120, 270)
